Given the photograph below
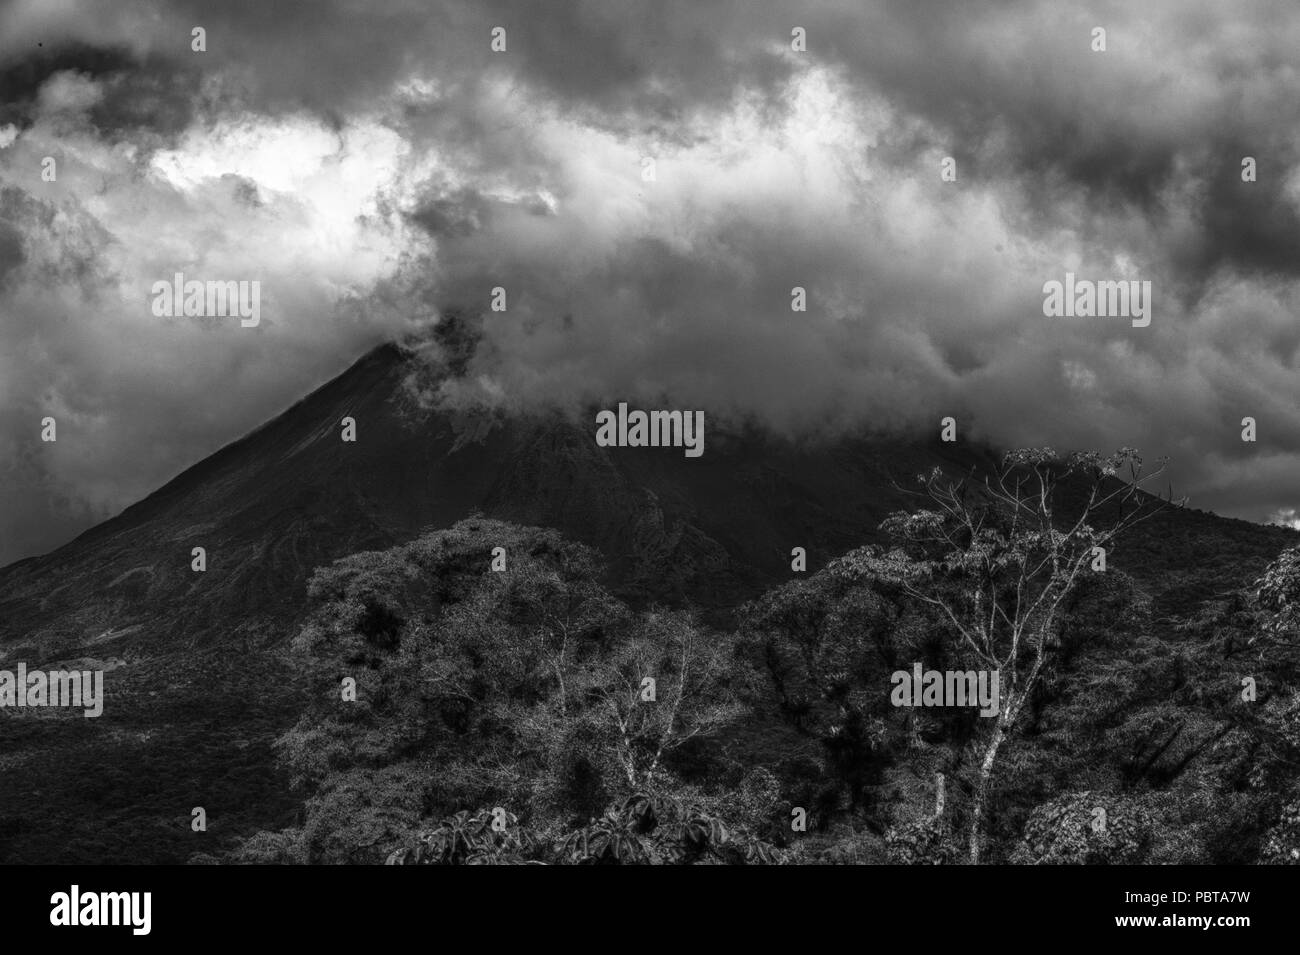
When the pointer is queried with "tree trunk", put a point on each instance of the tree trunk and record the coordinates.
(982, 786)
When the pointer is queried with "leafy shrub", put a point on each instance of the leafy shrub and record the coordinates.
(482, 837)
(1061, 832)
(268, 848)
(927, 842)
(641, 830)
(1282, 842)
(652, 830)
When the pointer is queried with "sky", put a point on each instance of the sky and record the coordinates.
(376, 164)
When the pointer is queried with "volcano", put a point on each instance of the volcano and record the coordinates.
(197, 678)
(293, 495)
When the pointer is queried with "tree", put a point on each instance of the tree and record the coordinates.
(1276, 598)
(668, 683)
(998, 559)
(443, 684)
(461, 678)
(825, 643)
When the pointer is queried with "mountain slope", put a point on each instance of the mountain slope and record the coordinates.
(198, 684)
(292, 495)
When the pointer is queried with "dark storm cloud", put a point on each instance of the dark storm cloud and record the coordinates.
(622, 63)
(22, 76)
(141, 95)
(11, 249)
(1251, 227)
(1182, 93)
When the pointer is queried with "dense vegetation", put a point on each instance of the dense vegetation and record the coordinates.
(526, 714)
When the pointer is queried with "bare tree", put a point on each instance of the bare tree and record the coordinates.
(666, 684)
(998, 557)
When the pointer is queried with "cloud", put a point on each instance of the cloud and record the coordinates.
(289, 203)
(376, 166)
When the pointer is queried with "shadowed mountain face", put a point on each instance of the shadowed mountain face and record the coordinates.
(196, 674)
(293, 495)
